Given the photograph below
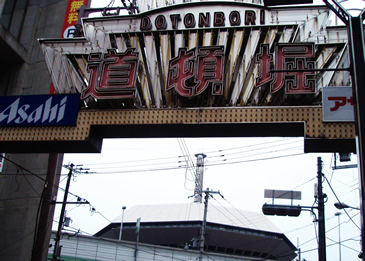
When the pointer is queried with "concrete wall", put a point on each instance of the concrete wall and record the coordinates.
(1, 5)
(24, 72)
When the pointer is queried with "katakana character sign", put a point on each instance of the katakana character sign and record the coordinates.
(112, 75)
(337, 104)
(340, 101)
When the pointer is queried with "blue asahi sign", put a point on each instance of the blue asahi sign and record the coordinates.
(39, 110)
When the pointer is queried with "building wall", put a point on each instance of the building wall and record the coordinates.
(75, 247)
(23, 72)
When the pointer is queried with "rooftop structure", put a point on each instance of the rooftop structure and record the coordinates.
(229, 231)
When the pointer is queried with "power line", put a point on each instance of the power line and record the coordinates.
(207, 165)
(338, 200)
(21, 167)
(190, 166)
(189, 162)
(187, 154)
(239, 212)
(56, 186)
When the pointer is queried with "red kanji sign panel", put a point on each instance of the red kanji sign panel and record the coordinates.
(295, 57)
(193, 71)
(112, 75)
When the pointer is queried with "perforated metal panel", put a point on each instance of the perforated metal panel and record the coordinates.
(310, 117)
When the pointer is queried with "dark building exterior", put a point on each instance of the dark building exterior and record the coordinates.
(24, 198)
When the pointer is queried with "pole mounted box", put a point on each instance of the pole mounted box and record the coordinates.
(281, 210)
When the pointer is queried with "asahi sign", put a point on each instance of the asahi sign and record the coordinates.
(39, 110)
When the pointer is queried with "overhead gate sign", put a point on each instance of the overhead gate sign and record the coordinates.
(207, 68)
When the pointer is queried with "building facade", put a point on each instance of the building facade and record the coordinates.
(238, 233)
(87, 248)
(24, 190)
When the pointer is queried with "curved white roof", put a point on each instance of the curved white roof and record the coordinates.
(194, 212)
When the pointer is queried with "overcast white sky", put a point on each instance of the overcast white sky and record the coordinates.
(132, 172)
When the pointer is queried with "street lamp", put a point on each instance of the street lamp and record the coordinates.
(341, 205)
(339, 234)
(121, 223)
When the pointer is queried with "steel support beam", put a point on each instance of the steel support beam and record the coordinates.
(355, 30)
(357, 55)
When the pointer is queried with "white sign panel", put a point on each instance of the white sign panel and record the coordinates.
(286, 194)
(337, 104)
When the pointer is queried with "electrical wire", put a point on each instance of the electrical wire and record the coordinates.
(207, 165)
(282, 254)
(41, 195)
(213, 165)
(338, 200)
(21, 167)
(139, 161)
(4, 248)
(238, 211)
(189, 162)
(342, 241)
(305, 183)
(237, 218)
(188, 165)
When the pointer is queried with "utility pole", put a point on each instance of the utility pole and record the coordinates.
(44, 227)
(138, 227)
(355, 31)
(58, 235)
(121, 223)
(321, 217)
(338, 214)
(290, 210)
(202, 231)
(204, 224)
(199, 177)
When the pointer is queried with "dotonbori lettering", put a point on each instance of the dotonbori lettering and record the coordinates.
(203, 20)
(18, 114)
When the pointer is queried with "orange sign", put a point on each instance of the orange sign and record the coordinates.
(68, 28)
(71, 16)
